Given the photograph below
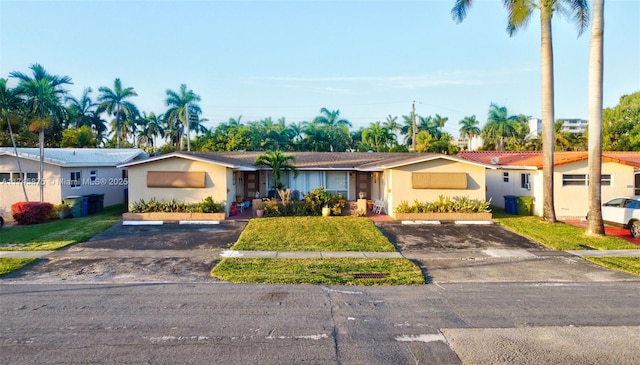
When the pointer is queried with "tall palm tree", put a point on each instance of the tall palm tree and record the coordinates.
(595, 226)
(278, 162)
(469, 129)
(10, 105)
(43, 95)
(114, 102)
(81, 110)
(519, 14)
(377, 135)
(182, 104)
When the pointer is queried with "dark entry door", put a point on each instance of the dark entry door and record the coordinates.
(251, 184)
(363, 183)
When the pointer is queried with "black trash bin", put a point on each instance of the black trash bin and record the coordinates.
(99, 203)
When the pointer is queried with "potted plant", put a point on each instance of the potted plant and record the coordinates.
(260, 210)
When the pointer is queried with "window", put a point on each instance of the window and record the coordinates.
(32, 177)
(505, 177)
(336, 182)
(525, 181)
(92, 175)
(15, 177)
(75, 179)
(573, 179)
(5, 177)
(583, 180)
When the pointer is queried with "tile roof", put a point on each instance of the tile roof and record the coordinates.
(534, 158)
(78, 157)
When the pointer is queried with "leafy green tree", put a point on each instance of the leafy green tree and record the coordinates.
(520, 12)
(316, 138)
(469, 129)
(82, 137)
(621, 124)
(279, 162)
(152, 128)
(182, 103)
(42, 95)
(114, 102)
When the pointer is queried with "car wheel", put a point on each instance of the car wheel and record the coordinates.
(634, 228)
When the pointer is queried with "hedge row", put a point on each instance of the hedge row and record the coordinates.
(31, 212)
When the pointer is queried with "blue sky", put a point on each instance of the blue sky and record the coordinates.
(369, 59)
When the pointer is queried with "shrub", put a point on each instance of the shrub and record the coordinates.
(207, 205)
(31, 212)
(446, 204)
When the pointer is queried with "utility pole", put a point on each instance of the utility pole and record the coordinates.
(413, 127)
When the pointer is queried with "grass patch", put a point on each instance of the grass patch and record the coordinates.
(626, 264)
(59, 233)
(313, 234)
(332, 271)
(8, 264)
(559, 236)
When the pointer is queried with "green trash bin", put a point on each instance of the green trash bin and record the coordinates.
(75, 204)
(524, 205)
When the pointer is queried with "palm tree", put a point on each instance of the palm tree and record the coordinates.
(10, 104)
(114, 102)
(337, 128)
(182, 105)
(498, 125)
(469, 129)
(379, 136)
(519, 14)
(42, 94)
(278, 162)
(595, 225)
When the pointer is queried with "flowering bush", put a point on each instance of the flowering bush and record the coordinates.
(31, 212)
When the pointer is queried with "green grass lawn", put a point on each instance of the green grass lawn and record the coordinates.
(562, 236)
(59, 233)
(8, 264)
(334, 271)
(559, 236)
(313, 234)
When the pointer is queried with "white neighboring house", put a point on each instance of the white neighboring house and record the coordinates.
(67, 172)
(520, 174)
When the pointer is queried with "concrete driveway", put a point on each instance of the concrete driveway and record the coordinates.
(455, 253)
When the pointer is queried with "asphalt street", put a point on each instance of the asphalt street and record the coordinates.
(143, 296)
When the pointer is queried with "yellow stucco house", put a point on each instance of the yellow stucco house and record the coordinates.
(229, 176)
(519, 173)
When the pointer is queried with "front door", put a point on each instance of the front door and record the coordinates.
(251, 184)
(363, 184)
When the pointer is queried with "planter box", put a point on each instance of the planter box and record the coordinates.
(442, 216)
(173, 217)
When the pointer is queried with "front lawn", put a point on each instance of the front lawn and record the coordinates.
(59, 233)
(316, 234)
(313, 234)
(9, 264)
(559, 236)
(334, 271)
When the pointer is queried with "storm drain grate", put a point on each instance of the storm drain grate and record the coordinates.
(370, 275)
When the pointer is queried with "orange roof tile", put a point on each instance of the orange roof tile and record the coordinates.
(534, 158)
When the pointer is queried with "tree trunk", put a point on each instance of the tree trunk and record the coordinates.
(595, 226)
(41, 182)
(546, 60)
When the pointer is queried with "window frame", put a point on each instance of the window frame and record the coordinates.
(76, 182)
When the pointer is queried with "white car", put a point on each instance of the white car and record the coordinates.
(624, 212)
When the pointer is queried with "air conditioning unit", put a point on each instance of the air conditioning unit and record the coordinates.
(527, 186)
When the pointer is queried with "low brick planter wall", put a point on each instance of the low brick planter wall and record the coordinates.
(442, 216)
(173, 217)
